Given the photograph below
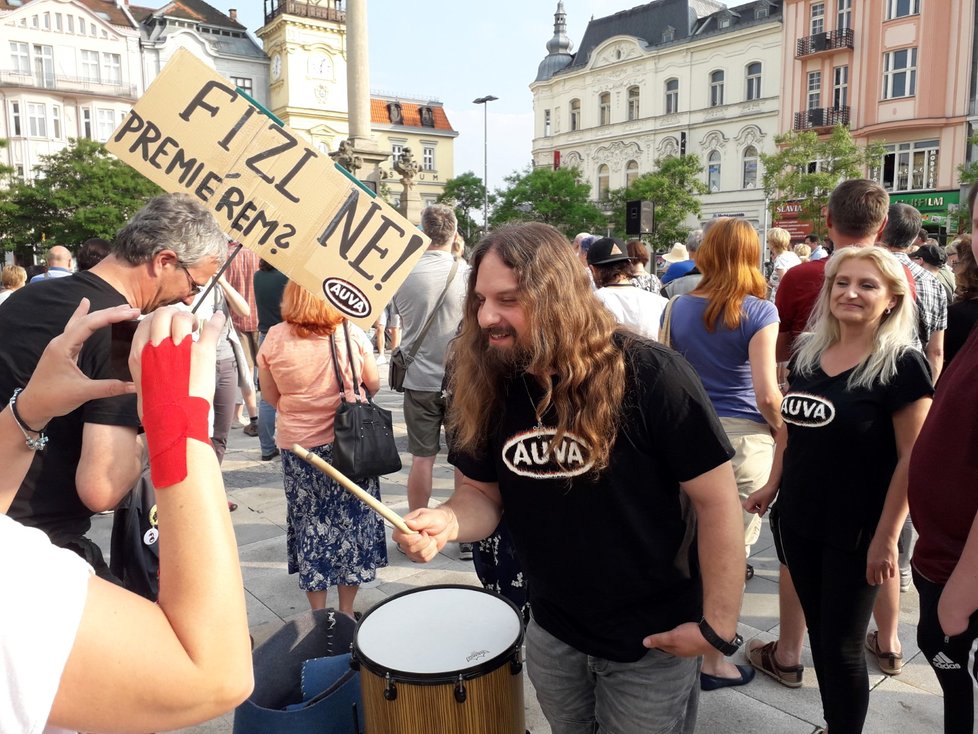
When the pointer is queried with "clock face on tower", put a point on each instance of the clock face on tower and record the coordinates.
(276, 67)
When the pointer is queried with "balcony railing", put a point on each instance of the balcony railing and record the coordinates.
(329, 10)
(828, 41)
(61, 83)
(821, 117)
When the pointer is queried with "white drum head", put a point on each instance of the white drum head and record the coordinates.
(438, 631)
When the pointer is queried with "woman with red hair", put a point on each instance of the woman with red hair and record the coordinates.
(727, 330)
(333, 538)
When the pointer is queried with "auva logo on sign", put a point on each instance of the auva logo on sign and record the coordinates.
(347, 298)
(530, 454)
(810, 411)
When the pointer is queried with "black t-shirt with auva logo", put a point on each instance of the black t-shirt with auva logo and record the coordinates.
(629, 534)
(841, 451)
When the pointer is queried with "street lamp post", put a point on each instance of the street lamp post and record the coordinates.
(484, 101)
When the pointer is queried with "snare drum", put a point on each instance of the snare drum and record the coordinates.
(443, 659)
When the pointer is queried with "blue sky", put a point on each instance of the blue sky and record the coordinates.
(458, 50)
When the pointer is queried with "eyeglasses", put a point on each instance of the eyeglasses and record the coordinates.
(195, 287)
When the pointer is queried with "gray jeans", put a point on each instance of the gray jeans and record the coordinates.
(581, 694)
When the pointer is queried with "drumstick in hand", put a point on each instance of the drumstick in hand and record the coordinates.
(372, 502)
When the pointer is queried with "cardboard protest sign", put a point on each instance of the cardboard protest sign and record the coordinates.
(193, 133)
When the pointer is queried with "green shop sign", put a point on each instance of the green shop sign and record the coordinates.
(939, 208)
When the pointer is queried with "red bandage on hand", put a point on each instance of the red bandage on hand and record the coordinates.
(170, 414)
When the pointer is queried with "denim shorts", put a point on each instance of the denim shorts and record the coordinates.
(582, 694)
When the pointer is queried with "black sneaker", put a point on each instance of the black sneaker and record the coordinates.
(269, 457)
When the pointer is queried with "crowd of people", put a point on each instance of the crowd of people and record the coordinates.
(604, 425)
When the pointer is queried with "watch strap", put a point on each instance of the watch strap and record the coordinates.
(710, 635)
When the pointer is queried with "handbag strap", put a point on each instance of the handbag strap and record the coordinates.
(336, 366)
(665, 331)
(431, 317)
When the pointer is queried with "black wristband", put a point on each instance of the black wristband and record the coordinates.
(20, 421)
(710, 635)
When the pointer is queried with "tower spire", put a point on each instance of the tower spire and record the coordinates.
(558, 48)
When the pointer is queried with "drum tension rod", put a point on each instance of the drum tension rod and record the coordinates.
(516, 664)
(460, 694)
(390, 689)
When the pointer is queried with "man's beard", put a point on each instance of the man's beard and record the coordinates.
(506, 361)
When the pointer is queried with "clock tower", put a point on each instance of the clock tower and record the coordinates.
(306, 43)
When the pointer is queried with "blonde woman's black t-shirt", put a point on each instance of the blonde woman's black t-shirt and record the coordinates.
(628, 535)
(842, 451)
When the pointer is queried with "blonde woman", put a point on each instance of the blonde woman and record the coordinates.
(859, 392)
(803, 251)
(12, 278)
(782, 258)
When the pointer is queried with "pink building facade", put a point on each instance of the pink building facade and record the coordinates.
(897, 72)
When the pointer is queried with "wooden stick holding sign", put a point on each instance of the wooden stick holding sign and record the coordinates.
(372, 502)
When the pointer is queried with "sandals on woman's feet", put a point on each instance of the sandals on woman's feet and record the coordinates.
(762, 658)
(891, 663)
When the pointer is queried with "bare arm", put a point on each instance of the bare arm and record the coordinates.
(881, 559)
(56, 388)
(935, 354)
(196, 638)
(471, 513)
(269, 390)
(237, 303)
(720, 541)
(782, 350)
(111, 462)
(370, 376)
(764, 374)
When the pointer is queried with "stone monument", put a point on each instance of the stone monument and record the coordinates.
(410, 206)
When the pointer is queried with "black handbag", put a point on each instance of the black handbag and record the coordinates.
(363, 434)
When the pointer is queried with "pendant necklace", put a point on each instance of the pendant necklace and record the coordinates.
(533, 405)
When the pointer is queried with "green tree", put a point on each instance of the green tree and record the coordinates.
(674, 187)
(807, 167)
(559, 198)
(79, 192)
(466, 193)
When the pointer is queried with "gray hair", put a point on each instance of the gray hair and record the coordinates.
(694, 239)
(439, 223)
(902, 226)
(176, 222)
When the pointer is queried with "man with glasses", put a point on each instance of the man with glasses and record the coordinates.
(164, 255)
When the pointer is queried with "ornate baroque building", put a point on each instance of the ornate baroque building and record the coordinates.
(666, 78)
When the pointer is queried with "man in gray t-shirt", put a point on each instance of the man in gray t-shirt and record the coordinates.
(424, 406)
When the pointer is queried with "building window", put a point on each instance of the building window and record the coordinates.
(15, 118)
(840, 87)
(56, 122)
(761, 12)
(86, 124)
(901, 8)
(81, 26)
(396, 150)
(843, 18)
(394, 111)
(575, 115)
(428, 157)
(817, 19)
(631, 172)
(58, 22)
(71, 23)
(44, 65)
(724, 21)
(427, 117)
(910, 166)
(111, 68)
(546, 123)
(37, 120)
(754, 81)
(244, 84)
(713, 171)
(900, 73)
(604, 108)
(716, 89)
(814, 90)
(669, 34)
(47, 21)
(750, 167)
(89, 66)
(672, 96)
(106, 124)
(634, 96)
(20, 57)
(603, 182)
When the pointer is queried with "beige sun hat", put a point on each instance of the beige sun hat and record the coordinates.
(678, 253)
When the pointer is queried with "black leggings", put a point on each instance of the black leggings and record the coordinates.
(837, 601)
(952, 658)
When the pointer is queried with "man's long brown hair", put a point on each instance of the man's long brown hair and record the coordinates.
(568, 335)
